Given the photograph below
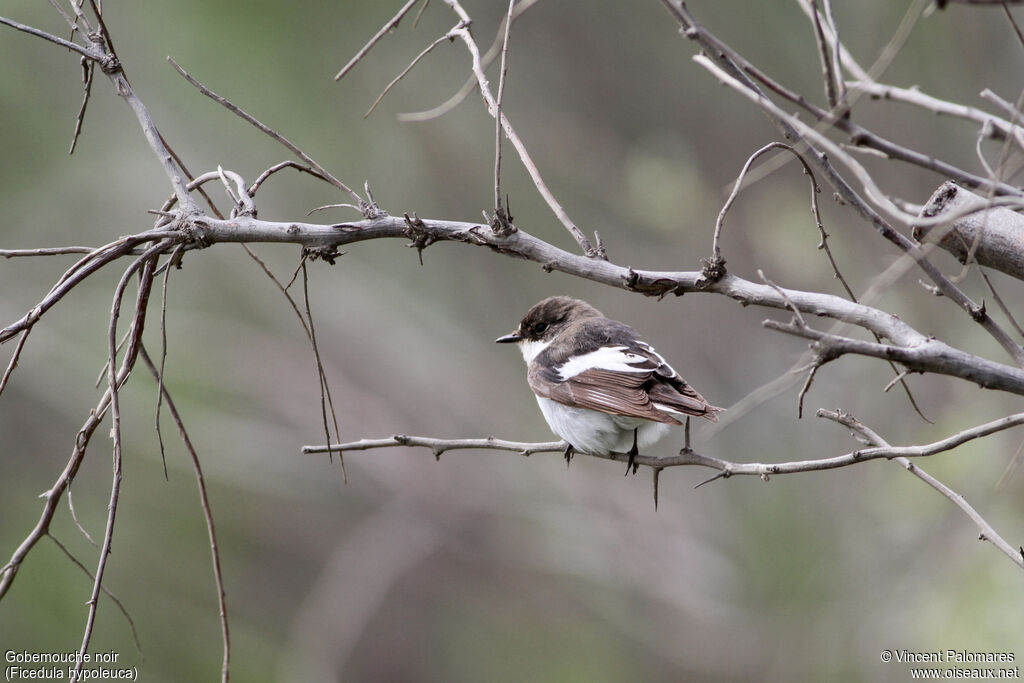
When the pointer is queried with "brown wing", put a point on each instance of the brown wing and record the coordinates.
(607, 391)
(603, 366)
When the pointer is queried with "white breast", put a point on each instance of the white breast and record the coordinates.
(531, 349)
(597, 433)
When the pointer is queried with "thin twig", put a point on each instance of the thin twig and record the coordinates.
(160, 390)
(106, 591)
(987, 532)
(224, 102)
(470, 84)
(280, 166)
(797, 129)
(88, 67)
(326, 403)
(385, 29)
(204, 501)
(74, 518)
(524, 155)
(830, 77)
(737, 186)
(499, 211)
(147, 263)
(94, 55)
(406, 70)
(45, 251)
(14, 359)
(79, 272)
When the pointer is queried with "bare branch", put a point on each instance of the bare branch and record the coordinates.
(46, 251)
(87, 52)
(373, 41)
(448, 36)
(204, 501)
(470, 85)
(687, 457)
(147, 263)
(524, 155)
(88, 68)
(120, 606)
(501, 219)
(96, 260)
(975, 230)
(272, 133)
(799, 130)
(326, 402)
(439, 446)
(987, 532)
(1000, 128)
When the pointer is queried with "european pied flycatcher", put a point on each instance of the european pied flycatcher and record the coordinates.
(599, 386)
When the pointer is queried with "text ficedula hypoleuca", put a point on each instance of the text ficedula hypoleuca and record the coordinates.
(599, 386)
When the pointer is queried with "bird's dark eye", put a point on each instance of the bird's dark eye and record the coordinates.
(540, 327)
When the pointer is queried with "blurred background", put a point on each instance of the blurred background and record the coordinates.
(487, 565)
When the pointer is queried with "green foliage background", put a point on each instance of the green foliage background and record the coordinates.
(487, 566)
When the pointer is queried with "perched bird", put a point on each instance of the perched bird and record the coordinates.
(599, 386)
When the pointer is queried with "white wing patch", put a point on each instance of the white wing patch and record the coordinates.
(613, 358)
(665, 369)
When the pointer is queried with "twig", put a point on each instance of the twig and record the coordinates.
(46, 251)
(837, 56)
(326, 403)
(829, 74)
(160, 390)
(52, 497)
(728, 71)
(799, 129)
(86, 52)
(224, 102)
(439, 446)
(470, 85)
(106, 591)
(87, 74)
(373, 41)
(999, 302)
(524, 155)
(74, 518)
(987, 532)
(448, 36)
(716, 251)
(999, 127)
(1013, 23)
(501, 219)
(204, 501)
(14, 359)
(147, 263)
(83, 269)
(688, 457)
(280, 166)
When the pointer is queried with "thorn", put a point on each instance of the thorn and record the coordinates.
(657, 475)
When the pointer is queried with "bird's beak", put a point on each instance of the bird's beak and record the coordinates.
(509, 338)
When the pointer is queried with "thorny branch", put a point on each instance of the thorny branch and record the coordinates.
(182, 226)
(687, 457)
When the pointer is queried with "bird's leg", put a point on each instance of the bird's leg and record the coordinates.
(631, 464)
(568, 453)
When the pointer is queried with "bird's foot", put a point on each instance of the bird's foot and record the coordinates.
(632, 464)
(568, 453)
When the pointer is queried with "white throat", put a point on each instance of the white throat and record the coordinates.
(531, 349)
